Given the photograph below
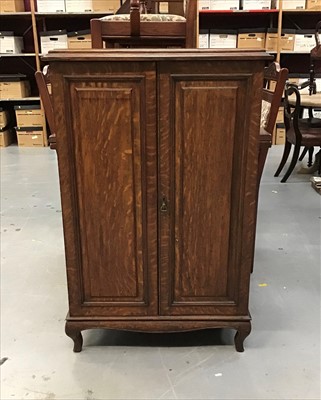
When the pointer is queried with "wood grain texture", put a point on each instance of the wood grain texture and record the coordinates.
(158, 174)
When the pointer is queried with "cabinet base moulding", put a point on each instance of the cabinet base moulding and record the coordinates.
(74, 326)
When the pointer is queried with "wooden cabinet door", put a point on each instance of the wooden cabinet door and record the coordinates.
(207, 186)
(106, 142)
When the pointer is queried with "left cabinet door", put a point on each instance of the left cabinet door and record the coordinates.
(106, 142)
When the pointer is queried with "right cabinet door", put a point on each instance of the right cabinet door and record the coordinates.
(208, 152)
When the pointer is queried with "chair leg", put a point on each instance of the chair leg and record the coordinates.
(294, 160)
(304, 152)
(286, 152)
(310, 161)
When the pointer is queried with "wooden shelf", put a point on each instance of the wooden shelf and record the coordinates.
(24, 99)
(17, 14)
(17, 55)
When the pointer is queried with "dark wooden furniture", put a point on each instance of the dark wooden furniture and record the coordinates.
(299, 132)
(275, 78)
(158, 230)
(133, 30)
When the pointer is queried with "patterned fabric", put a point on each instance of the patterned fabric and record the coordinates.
(265, 112)
(146, 17)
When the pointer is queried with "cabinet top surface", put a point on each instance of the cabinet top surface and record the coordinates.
(156, 55)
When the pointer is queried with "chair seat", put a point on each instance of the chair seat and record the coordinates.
(265, 138)
(145, 18)
(310, 130)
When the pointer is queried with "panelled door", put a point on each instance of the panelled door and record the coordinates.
(107, 144)
(206, 148)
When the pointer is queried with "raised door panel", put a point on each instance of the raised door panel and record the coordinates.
(111, 228)
(206, 150)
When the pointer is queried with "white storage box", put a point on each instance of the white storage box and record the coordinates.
(53, 40)
(223, 39)
(49, 6)
(256, 4)
(304, 41)
(290, 4)
(79, 6)
(203, 39)
(9, 43)
(204, 4)
(224, 4)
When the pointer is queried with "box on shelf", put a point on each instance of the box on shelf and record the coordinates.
(304, 40)
(203, 39)
(30, 137)
(251, 38)
(51, 6)
(280, 115)
(53, 40)
(290, 4)
(313, 5)
(14, 87)
(204, 4)
(78, 5)
(224, 5)
(6, 137)
(280, 134)
(223, 39)
(4, 118)
(109, 6)
(12, 6)
(29, 115)
(9, 43)
(256, 4)
(287, 40)
(271, 42)
(79, 40)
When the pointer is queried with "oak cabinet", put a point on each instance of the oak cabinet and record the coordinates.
(157, 156)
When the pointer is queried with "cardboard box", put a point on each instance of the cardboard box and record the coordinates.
(280, 134)
(53, 40)
(203, 39)
(78, 5)
(280, 116)
(7, 137)
(290, 4)
(9, 43)
(251, 39)
(79, 40)
(255, 4)
(223, 39)
(4, 118)
(204, 4)
(13, 87)
(271, 42)
(287, 40)
(51, 6)
(304, 41)
(30, 137)
(224, 5)
(30, 115)
(313, 5)
(12, 6)
(108, 6)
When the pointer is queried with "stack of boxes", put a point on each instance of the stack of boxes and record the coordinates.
(30, 120)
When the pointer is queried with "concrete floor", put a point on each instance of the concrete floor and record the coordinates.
(282, 355)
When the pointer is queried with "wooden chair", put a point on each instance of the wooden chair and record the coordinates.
(145, 26)
(275, 78)
(299, 131)
(42, 79)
